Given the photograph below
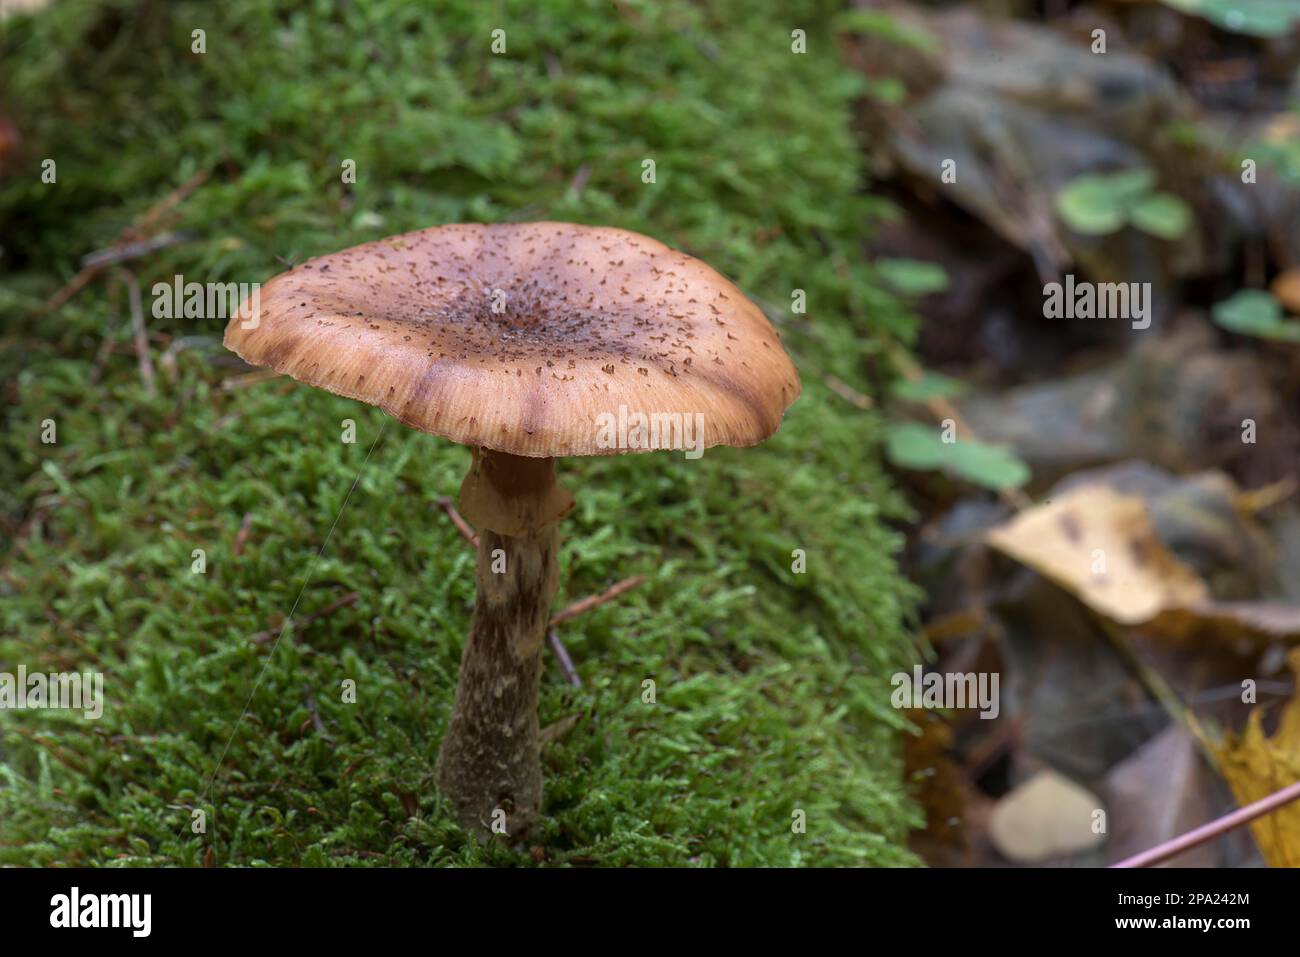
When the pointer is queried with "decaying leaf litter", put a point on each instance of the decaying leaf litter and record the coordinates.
(1134, 577)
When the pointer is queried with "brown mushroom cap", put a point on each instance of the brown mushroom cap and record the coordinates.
(518, 337)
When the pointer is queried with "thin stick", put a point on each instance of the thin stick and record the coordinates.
(121, 252)
(574, 610)
(594, 601)
(562, 656)
(178, 345)
(248, 378)
(580, 180)
(138, 330)
(315, 719)
(264, 636)
(462, 526)
(847, 392)
(241, 537)
(1216, 828)
(142, 227)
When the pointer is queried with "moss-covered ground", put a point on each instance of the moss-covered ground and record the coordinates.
(771, 686)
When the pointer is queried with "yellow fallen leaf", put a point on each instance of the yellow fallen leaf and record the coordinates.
(1256, 766)
(1100, 546)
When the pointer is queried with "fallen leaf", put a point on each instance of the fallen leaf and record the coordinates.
(1256, 765)
(940, 789)
(1100, 546)
(1157, 793)
(1257, 622)
(1048, 816)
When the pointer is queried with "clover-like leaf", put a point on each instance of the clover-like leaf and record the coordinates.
(1163, 215)
(990, 466)
(913, 277)
(1253, 312)
(1256, 18)
(920, 447)
(1089, 205)
(915, 446)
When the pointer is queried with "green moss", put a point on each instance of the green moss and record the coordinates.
(771, 687)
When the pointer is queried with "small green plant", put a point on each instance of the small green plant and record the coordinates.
(912, 277)
(1256, 18)
(1278, 147)
(1253, 312)
(1096, 204)
(931, 385)
(911, 445)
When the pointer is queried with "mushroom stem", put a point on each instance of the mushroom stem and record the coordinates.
(489, 764)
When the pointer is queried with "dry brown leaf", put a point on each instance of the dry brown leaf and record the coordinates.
(1100, 546)
(1156, 793)
(1256, 766)
(940, 789)
(1257, 622)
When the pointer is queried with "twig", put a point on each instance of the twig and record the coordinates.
(847, 392)
(138, 330)
(101, 359)
(55, 751)
(1155, 684)
(178, 409)
(562, 656)
(71, 288)
(154, 213)
(594, 601)
(580, 178)
(1216, 828)
(986, 753)
(178, 345)
(250, 378)
(241, 537)
(262, 637)
(121, 252)
(139, 229)
(462, 526)
(316, 721)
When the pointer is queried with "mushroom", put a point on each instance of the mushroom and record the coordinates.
(525, 342)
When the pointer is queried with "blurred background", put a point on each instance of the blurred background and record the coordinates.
(1099, 510)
